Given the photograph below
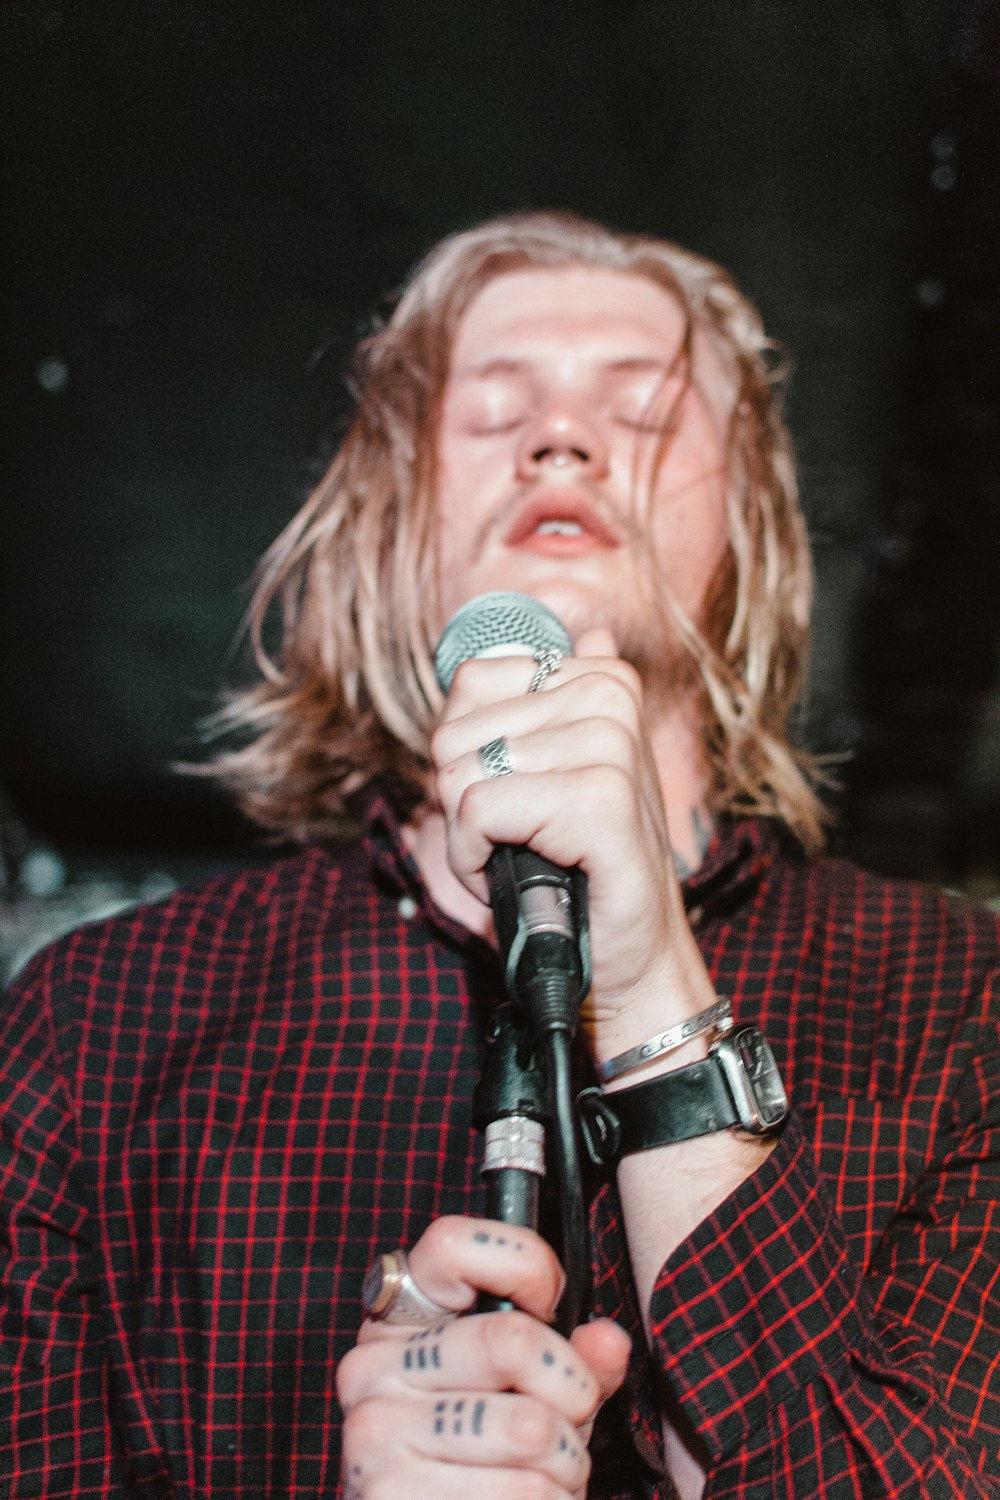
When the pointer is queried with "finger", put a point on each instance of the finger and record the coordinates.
(457, 1258)
(504, 1351)
(578, 704)
(422, 1479)
(605, 1348)
(544, 811)
(504, 679)
(599, 741)
(598, 641)
(489, 1430)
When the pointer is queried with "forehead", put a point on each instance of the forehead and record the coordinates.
(531, 315)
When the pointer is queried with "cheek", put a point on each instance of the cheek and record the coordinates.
(691, 536)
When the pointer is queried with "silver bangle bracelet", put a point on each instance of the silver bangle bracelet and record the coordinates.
(716, 1017)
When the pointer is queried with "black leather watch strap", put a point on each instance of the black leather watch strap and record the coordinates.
(678, 1106)
(738, 1084)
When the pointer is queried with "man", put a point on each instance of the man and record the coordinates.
(220, 1111)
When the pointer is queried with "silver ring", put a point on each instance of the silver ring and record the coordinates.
(495, 758)
(389, 1294)
(549, 660)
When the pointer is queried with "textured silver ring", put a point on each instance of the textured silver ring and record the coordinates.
(389, 1294)
(495, 758)
(548, 660)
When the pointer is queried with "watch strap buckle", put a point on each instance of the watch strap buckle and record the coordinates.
(599, 1125)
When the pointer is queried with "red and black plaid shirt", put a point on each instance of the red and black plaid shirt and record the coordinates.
(216, 1110)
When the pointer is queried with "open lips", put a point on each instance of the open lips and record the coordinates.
(558, 521)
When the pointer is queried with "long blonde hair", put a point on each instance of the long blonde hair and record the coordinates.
(347, 696)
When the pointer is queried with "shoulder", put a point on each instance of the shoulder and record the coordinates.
(904, 934)
(196, 941)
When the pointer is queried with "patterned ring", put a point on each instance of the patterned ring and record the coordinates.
(495, 758)
(549, 660)
(389, 1294)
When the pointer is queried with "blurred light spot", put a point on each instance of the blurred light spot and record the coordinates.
(52, 375)
(156, 886)
(943, 146)
(42, 872)
(930, 292)
(943, 177)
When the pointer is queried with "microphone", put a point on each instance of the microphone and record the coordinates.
(540, 908)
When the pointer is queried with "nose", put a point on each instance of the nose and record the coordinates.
(562, 436)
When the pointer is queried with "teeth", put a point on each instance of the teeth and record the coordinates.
(559, 528)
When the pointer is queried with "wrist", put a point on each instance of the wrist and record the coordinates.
(665, 1007)
(660, 1050)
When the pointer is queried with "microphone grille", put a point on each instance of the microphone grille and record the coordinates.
(498, 624)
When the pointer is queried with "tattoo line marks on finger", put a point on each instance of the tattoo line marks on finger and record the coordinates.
(482, 1237)
(457, 1414)
(423, 1334)
(422, 1357)
(548, 1358)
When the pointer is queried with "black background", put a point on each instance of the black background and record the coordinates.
(206, 201)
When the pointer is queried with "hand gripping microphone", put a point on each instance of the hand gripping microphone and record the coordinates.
(540, 908)
(540, 911)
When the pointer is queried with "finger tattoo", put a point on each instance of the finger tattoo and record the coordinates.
(422, 1358)
(455, 1412)
(482, 1237)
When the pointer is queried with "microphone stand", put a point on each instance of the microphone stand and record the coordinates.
(526, 1085)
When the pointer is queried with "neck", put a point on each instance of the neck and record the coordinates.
(679, 764)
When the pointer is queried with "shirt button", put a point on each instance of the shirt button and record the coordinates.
(407, 908)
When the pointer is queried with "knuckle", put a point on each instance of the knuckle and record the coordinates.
(620, 688)
(366, 1425)
(440, 745)
(630, 680)
(443, 1237)
(349, 1376)
(510, 1339)
(616, 739)
(607, 785)
(532, 1428)
(470, 802)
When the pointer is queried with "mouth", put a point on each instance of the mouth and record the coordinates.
(560, 524)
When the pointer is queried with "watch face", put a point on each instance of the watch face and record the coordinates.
(753, 1078)
(760, 1072)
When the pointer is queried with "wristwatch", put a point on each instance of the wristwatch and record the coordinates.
(736, 1087)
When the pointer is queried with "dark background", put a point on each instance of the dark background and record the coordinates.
(206, 200)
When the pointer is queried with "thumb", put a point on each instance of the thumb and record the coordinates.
(597, 641)
(606, 1348)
